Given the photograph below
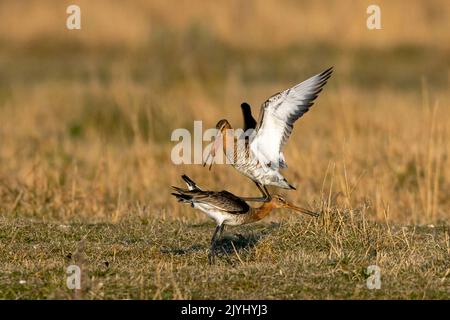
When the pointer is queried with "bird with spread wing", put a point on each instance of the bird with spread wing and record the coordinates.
(259, 156)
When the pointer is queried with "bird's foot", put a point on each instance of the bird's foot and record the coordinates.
(211, 258)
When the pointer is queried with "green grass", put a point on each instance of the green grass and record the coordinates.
(299, 258)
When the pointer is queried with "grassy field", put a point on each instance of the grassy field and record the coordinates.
(148, 258)
(86, 118)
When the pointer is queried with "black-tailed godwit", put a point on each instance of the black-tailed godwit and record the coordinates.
(260, 156)
(227, 209)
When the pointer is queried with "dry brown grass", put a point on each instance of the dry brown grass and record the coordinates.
(143, 258)
(249, 24)
(86, 130)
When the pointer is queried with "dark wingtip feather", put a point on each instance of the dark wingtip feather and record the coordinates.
(328, 71)
(325, 75)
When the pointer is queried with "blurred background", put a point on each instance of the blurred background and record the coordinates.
(86, 115)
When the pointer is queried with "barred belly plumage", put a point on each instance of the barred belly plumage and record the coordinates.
(246, 163)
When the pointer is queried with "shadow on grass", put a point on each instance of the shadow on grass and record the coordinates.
(229, 242)
(182, 251)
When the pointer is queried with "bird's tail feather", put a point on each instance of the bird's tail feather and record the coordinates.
(179, 190)
(181, 197)
(190, 183)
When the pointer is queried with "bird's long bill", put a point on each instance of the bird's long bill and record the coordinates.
(212, 153)
(302, 210)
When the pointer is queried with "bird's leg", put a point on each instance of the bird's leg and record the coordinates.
(217, 238)
(213, 245)
(222, 226)
(266, 195)
(269, 197)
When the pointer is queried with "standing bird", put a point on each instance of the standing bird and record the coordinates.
(259, 156)
(227, 209)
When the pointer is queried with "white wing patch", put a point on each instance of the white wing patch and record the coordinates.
(278, 115)
(265, 145)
